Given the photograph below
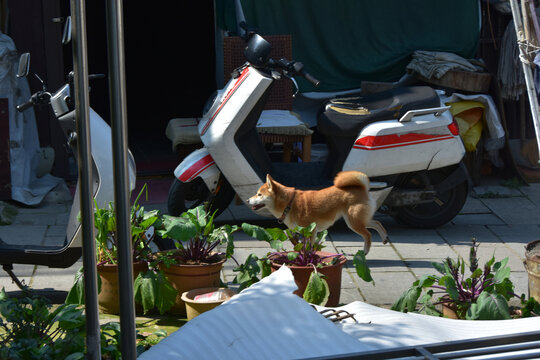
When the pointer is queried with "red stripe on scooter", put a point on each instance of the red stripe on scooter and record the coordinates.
(394, 140)
(194, 170)
(238, 82)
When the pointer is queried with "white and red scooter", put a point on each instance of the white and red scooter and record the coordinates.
(404, 139)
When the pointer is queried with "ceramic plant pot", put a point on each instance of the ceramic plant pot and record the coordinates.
(188, 277)
(332, 272)
(532, 265)
(199, 301)
(108, 297)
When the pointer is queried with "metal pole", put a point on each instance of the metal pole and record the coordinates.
(117, 88)
(82, 100)
(527, 71)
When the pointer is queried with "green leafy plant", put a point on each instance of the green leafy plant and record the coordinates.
(482, 295)
(141, 223)
(110, 340)
(31, 328)
(196, 237)
(305, 252)
(151, 288)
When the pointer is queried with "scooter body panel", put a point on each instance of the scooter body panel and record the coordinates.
(393, 147)
(198, 164)
(220, 124)
(102, 173)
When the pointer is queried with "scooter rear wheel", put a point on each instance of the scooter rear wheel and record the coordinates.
(430, 215)
(185, 196)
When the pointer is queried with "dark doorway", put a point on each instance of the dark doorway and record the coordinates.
(170, 71)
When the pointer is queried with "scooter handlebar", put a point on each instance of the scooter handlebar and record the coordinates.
(297, 68)
(39, 98)
(25, 106)
(311, 79)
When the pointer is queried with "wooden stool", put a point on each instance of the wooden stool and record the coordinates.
(285, 127)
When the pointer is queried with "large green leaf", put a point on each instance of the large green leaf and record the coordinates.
(248, 272)
(317, 290)
(291, 255)
(451, 287)
(361, 266)
(426, 281)
(505, 288)
(489, 307)
(76, 293)
(70, 317)
(178, 228)
(257, 232)
(407, 301)
(502, 271)
(153, 290)
(440, 267)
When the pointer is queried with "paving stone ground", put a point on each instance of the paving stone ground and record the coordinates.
(502, 220)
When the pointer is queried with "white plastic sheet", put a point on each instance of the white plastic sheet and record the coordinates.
(266, 321)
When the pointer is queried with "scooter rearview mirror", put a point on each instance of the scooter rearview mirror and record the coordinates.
(66, 36)
(24, 65)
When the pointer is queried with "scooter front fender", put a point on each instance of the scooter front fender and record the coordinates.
(198, 164)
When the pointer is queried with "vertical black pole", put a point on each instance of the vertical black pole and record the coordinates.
(80, 69)
(117, 88)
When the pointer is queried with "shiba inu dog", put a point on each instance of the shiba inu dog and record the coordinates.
(348, 198)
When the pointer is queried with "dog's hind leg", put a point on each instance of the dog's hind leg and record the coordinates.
(356, 225)
(377, 226)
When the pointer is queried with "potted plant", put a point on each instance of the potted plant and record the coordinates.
(195, 263)
(151, 288)
(317, 273)
(482, 295)
(32, 328)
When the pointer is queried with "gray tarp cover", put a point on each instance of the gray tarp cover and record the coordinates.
(26, 186)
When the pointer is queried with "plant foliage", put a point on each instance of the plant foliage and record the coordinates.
(30, 328)
(196, 236)
(305, 252)
(151, 288)
(482, 295)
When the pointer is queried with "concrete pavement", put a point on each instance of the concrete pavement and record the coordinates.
(502, 219)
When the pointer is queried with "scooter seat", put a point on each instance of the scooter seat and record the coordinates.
(346, 116)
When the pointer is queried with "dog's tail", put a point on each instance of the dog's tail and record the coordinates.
(351, 178)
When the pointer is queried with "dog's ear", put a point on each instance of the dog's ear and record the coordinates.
(269, 182)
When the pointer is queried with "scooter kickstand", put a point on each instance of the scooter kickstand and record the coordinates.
(9, 269)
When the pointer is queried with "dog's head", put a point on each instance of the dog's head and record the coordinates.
(264, 196)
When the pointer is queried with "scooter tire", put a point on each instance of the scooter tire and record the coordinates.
(185, 196)
(436, 213)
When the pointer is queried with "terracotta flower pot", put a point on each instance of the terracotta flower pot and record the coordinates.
(195, 307)
(449, 311)
(108, 298)
(187, 277)
(332, 272)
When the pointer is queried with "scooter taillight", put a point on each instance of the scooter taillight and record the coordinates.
(454, 128)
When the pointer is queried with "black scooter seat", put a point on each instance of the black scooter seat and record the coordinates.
(347, 115)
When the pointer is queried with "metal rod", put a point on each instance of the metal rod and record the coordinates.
(527, 71)
(117, 89)
(82, 100)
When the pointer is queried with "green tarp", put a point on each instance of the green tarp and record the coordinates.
(343, 42)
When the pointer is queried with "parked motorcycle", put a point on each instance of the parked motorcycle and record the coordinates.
(404, 139)
(63, 107)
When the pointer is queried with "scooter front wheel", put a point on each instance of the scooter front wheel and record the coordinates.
(443, 209)
(185, 196)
